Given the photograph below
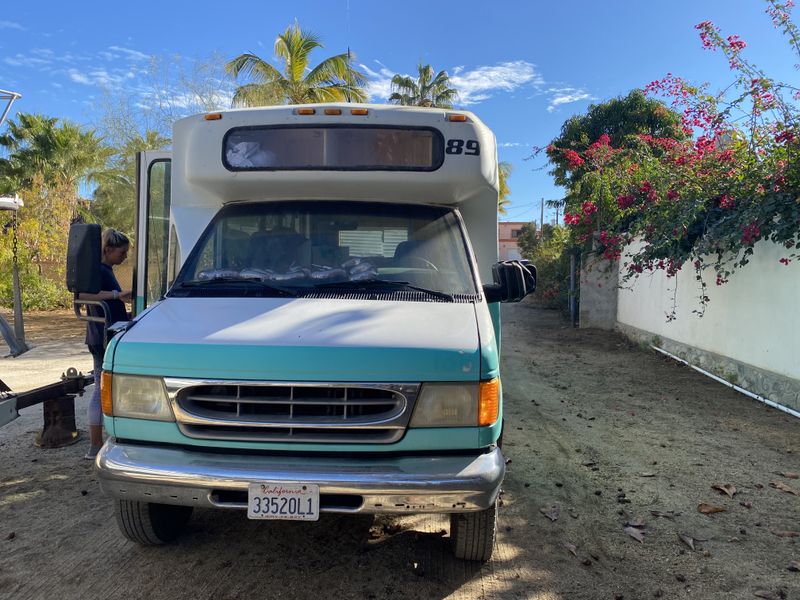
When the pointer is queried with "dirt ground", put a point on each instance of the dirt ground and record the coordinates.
(600, 434)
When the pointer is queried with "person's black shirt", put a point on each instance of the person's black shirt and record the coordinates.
(116, 308)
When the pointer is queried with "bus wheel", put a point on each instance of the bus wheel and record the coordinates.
(151, 524)
(472, 534)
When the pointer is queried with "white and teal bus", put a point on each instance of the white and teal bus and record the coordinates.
(315, 329)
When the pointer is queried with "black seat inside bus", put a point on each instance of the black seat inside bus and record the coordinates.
(279, 250)
(412, 253)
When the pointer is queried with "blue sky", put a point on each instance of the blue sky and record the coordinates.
(522, 67)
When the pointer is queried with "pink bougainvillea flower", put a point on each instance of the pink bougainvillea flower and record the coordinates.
(626, 201)
(750, 233)
(573, 158)
(736, 44)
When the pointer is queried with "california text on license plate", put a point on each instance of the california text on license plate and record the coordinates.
(289, 501)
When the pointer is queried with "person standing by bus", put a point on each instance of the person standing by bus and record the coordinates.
(115, 246)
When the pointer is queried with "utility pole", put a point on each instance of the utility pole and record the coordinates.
(541, 219)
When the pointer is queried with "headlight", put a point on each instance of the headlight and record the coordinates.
(140, 398)
(457, 404)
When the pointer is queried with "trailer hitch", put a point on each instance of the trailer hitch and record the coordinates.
(58, 407)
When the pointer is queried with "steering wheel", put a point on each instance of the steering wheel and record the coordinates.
(428, 264)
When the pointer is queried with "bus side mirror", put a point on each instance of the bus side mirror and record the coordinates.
(83, 258)
(513, 280)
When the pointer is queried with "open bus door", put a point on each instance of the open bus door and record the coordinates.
(150, 272)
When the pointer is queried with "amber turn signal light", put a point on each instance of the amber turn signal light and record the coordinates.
(105, 394)
(489, 403)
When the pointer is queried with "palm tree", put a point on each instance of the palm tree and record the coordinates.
(61, 154)
(503, 173)
(114, 202)
(427, 90)
(334, 79)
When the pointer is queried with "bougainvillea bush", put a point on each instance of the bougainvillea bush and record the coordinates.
(702, 200)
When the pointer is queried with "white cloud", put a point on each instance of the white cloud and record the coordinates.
(511, 145)
(78, 77)
(483, 82)
(21, 60)
(11, 25)
(379, 86)
(132, 54)
(566, 95)
(473, 85)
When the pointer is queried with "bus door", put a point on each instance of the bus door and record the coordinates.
(152, 227)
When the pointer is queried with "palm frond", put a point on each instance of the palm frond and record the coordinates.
(259, 94)
(252, 67)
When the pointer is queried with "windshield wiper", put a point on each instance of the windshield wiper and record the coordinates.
(371, 283)
(264, 285)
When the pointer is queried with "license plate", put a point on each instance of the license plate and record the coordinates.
(286, 501)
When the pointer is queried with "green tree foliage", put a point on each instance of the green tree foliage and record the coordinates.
(622, 119)
(503, 173)
(61, 153)
(47, 160)
(548, 249)
(428, 89)
(333, 80)
(114, 203)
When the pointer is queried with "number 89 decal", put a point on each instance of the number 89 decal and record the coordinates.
(466, 147)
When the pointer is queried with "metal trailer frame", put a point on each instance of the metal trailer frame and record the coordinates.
(15, 340)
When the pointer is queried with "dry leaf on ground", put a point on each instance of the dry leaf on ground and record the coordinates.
(794, 565)
(689, 541)
(747, 504)
(666, 515)
(790, 475)
(572, 548)
(784, 533)
(634, 522)
(767, 595)
(551, 513)
(647, 474)
(784, 488)
(710, 509)
(724, 488)
(635, 533)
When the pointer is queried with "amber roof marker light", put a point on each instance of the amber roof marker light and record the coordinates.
(306, 111)
(457, 118)
(333, 111)
(359, 111)
(212, 116)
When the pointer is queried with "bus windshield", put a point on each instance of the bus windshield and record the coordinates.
(305, 246)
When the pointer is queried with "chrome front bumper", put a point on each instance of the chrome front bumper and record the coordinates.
(412, 484)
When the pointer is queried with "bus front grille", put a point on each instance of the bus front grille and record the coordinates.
(355, 413)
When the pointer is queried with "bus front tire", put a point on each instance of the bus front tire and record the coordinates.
(473, 534)
(151, 524)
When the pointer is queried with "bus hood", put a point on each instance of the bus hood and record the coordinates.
(300, 339)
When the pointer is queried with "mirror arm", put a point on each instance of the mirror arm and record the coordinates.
(495, 292)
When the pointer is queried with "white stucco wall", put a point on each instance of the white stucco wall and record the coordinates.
(753, 319)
